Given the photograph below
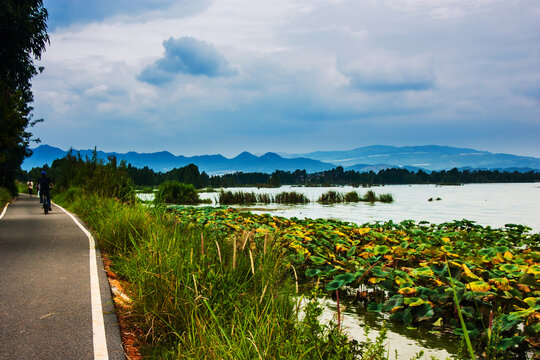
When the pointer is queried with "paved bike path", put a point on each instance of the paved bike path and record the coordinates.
(45, 288)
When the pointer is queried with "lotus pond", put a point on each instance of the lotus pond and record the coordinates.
(411, 272)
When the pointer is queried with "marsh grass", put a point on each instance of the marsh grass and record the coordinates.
(386, 198)
(331, 197)
(369, 196)
(242, 198)
(292, 197)
(352, 196)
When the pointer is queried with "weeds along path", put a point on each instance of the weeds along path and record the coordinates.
(45, 302)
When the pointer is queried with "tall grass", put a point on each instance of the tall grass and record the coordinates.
(386, 198)
(292, 197)
(369, 196)
(352, 196)
(198, 294)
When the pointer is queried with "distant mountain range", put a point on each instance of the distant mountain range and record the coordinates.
(368, 158)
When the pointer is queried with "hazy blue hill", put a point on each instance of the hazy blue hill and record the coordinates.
(164, 161)
(430, 157)
(368, 158)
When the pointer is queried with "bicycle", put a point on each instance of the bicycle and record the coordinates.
(46, 202)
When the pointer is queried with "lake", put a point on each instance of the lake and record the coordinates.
(486, 204)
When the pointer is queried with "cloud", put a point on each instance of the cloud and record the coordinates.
(383, 72)
(186, 55)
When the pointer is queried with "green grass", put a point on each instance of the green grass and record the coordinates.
(5, 197)
(242, 198)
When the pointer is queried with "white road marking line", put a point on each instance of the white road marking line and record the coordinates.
(98, 327)
(4, 211)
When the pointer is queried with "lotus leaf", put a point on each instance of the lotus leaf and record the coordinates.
(394, 302)
(424, 312)
(375, 307)
(313, 272)
(407, 291)
(413, 301)
(501, 283)
(479, 285)
(423, 271)
(381, 249)
(347, 278)
(334, 285)
(507, 343)
(317, 260)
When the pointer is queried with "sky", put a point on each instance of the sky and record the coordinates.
(200, 77)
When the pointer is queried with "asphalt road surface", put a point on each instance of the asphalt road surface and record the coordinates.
(46, 310)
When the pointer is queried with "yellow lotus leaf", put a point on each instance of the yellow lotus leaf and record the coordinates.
(341, 247)
(445, 239)
(501, 283)
(468, 272)
(397, 308)
(400, 280)
(534, 269)
(479, 286)
(375, 280)
(389, 257)
(407, 291)
(363, 231)
(508, 255)
(438, 282)
(340, 233)
(307, 238)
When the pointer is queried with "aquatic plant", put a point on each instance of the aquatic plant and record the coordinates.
(369, 196)
(385, 198)
(292, 197)
(331, 197)
(352, 196)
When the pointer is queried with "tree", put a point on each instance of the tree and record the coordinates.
(23, 36)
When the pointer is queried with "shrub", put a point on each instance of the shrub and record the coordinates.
(174, 192)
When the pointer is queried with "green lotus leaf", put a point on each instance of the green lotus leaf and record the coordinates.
(439, 269)
(508, 343)
(407, 317)
(397, 316)
(375, 307)
(501, 249)
(413, 301)
(534, 269)
(317, 260)
(484, 252)
(393, 302)
(347, 278)
(424, 312)
(378, 272)
(351, 251)
(509, 268)
(381, 249)
(423, 271)
(334, 285)
(313, 272)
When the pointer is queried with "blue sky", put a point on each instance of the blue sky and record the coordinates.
(224, 76)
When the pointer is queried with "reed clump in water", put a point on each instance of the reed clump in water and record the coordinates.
(292, 197)
(242, 198)
(331, 197)
(352, 196)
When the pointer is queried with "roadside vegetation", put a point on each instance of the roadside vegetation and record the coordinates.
(5, 197)
(218, 283)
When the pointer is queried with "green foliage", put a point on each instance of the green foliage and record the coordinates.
(386, 198)
(23, 31)
(91, 176)
(174, 192)
(5, 197)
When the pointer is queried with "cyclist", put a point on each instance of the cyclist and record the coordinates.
(45, 185)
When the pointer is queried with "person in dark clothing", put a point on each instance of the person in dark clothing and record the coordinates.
(45, 185)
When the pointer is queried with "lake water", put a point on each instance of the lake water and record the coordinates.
(487, 204)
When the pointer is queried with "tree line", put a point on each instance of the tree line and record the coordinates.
(73, 170)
